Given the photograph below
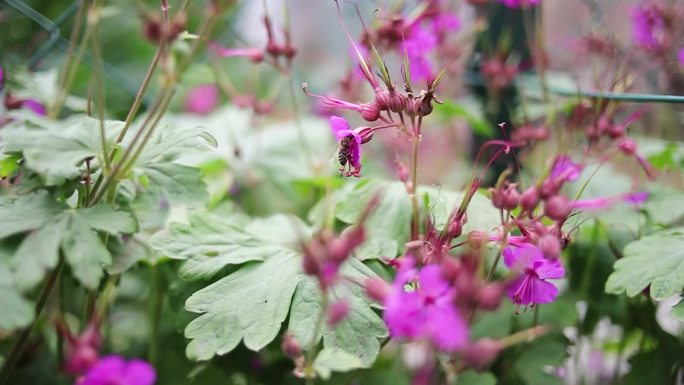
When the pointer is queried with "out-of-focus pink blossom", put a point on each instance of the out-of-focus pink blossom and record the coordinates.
(35, 106)
(606, 202)
(648, 26)
(564, 169)
(531, 287)
(202, 99)
(255, 55)
(116, 370)
(680, 56)
(427, 312)
(518, 3)
(418, 46)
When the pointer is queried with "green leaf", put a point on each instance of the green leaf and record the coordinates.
(38, 253)
(16, 311)
(545, 351)
(677, 311)
(178, 183)
(108, 219)
(249, 304)
(665, 207)
(656, 260)
(56, 150)
(331, 360)
(358, 333)
(252, 302)
(471, 377)
(84, 252)
(391, 218)
(27, 212)
(481, 214)
(209, 243)
(449, 110)
(168, 143)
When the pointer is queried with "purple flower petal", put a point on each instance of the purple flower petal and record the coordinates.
(139, 372)
(446, 328)
(34, 106)
(340, 127)
(565, 169)
(202, 99)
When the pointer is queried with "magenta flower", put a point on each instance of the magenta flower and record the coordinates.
(531, 287)
(648, 27)
(445, 22)
(418, 46)
(518, 3)
(255, 55)
(349, 153)
(605, 202)
(202, 99)
(565, 170)
(680, 56)
(115, 370)
(37, 107)
(428, 312)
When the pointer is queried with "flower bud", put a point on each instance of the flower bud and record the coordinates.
(557, 208)
(337, 311)
(482, 352)
(450, 269)
(455, 228)
(489, 297)
(616, 131)
(79, 359)
(477, 239)
(382, 99)
(290, 346)
(506, 196)
(549, 246)
(377, 289)
(396, 102)
(370, 111)
(628, 146)
(549, 188)
(366, 134)
(530, 198)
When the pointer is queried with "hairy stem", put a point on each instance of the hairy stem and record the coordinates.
(414, 187)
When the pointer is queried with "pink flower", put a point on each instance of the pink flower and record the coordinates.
(564, 169)
(418, 46)
(428, 312)
(202, 99)
(255, 55)
(37, 107)
(648, 26)
(680, 56)
(518, 3)
(350, 145)
(605, 202)
(531, 287)
(116, 370)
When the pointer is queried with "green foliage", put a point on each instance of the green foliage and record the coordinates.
(252, 302)
(656, 260)
(471, 377)
(331, 360)
(531, 365)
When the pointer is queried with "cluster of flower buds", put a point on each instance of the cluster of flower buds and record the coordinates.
(156, 29)
(603, 131)
(498, 73)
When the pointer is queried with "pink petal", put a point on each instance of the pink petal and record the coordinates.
(202, 99)
(340, 127)
(446, 328)
(543, 292)
(432, 283)
(547, 269)
(140, 372)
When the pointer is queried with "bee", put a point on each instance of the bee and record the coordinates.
(344, 152)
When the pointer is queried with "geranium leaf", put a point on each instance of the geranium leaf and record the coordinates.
(84, 252)
(16, 311)
(331, 360)
(178, 183)
(358, 333)
(249, 304)
(108, 219)
(56, 150)
(656, 260)
(28, 212)
(471, 377)
(252, 302)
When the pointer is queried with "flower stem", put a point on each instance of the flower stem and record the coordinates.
(414, 187)
(19, 345)
(156, 305)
